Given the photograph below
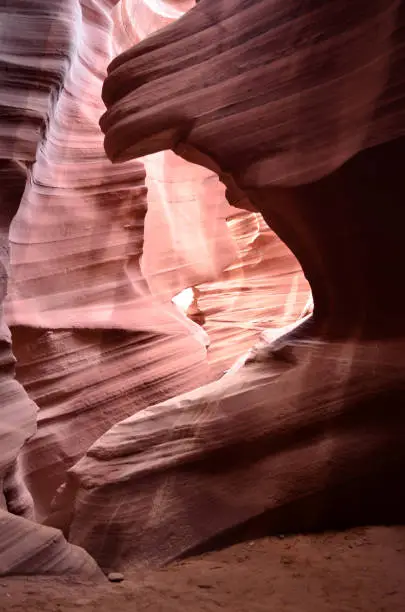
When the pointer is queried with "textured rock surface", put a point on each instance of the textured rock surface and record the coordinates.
(263, 289)
(93, 344)
(268, 99)
(286, 434)
(332, 100)
(31, 71)
(311, 430)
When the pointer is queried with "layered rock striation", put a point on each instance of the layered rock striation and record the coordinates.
(300, 111)
(109, 429)
(97, 253)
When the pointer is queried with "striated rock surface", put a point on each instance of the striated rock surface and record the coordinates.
(263, 290)
(92, 343)
(31, 71)
(95, 333)
(284, 95)
(187, 207)
(288, 105)
(307, 433)
(285, 437)
(28, 548)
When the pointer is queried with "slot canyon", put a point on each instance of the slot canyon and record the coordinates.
(202, 350)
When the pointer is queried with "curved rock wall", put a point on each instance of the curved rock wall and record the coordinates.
(310, 429)
(97, 253)
(32, 73)
(93, 345)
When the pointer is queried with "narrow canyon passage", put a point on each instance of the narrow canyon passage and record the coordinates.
(95, 334)
(150, 147)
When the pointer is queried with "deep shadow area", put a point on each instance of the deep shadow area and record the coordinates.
(359, 504)
(370, 496)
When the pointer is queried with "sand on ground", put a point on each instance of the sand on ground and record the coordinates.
(360, 570)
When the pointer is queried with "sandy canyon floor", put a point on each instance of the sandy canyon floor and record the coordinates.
(358, 570)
